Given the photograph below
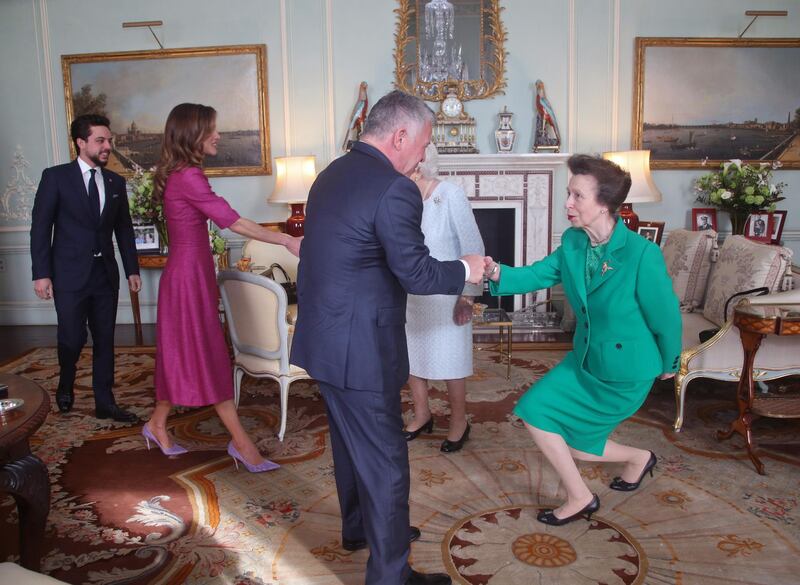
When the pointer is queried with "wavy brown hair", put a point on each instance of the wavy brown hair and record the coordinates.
(188, 125)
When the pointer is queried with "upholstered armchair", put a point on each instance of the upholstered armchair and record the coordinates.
(264, 254)
(705, 277)
(255, 309)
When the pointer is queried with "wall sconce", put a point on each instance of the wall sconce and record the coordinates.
(295, 175)
(643, 189)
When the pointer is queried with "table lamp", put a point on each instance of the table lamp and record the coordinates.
(643, 189)
(295, 174)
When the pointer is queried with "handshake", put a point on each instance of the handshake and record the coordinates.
(481, 267)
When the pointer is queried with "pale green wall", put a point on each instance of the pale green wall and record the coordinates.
(575, 46)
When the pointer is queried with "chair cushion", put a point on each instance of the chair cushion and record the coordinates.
(743, 265)
(688, 258)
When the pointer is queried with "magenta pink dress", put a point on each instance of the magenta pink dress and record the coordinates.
(192, 363)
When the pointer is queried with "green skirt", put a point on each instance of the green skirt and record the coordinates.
(571, 402)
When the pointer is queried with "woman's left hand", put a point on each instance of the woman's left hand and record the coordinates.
(462, 312)
(666, 376)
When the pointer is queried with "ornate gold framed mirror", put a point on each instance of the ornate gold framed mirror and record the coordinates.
(445, 43)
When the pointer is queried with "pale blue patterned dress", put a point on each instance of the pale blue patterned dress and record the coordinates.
(438, 349)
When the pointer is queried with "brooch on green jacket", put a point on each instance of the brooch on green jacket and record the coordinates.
(605, 268)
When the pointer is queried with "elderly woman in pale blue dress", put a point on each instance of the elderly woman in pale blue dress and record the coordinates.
(439, 327)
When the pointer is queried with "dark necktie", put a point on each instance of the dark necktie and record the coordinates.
(94, 195)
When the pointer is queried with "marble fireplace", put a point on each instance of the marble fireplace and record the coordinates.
(511, 194)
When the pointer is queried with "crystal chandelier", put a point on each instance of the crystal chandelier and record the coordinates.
(440, 59)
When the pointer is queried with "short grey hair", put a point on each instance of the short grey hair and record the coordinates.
(429, 168)
(394, 109)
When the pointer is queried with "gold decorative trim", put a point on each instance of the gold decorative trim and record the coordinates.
(493, 57)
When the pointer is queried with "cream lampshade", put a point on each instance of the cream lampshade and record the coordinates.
(294, 177)
(643, 189)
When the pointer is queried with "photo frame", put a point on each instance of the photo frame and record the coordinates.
(778, 221)
(704, 218)
(758, 227)
(137, 89)
(146, 238)
(651, 230)
(700, 101)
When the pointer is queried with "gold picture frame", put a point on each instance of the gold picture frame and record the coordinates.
(700, 101)
(490, 45)
(137, 89)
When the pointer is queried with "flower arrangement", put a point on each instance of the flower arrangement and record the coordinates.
(217, 242)
(143, 208)
(740, 188)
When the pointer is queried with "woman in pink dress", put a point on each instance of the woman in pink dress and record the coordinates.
(192, 363)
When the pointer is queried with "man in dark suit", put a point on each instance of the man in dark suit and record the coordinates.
(77, 207)
(363, 251)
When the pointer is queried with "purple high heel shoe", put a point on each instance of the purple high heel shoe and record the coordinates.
(149, 436)
(266, 465)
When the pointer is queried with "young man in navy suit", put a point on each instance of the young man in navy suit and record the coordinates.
(77, 208)
(363, 251)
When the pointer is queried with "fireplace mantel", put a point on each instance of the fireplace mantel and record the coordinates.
(523, 182)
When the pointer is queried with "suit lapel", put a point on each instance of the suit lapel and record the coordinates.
(109, 184)
(610, 264)
(575, 255)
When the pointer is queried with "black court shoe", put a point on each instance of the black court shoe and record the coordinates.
(548, 517)
(621, 485)
(449, 446)
(427, 428)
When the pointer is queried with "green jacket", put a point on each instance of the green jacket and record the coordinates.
(628, 325)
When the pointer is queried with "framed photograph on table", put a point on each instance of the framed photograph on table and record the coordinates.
(778, 220)
(759, 227)
(704, 218)
(136, 90)
(701, 101)
(146, 237)
(651, 230)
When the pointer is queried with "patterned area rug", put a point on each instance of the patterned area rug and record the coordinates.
(123, 514)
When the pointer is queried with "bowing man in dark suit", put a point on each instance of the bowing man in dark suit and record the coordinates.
(77, 208)
(363, 251)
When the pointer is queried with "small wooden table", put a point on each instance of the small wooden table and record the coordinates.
(498, 318)
(146, 261)
(756, 322)
(22, 474)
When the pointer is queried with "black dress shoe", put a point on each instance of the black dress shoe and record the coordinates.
(430, 579)
(64, 399)
(354, 545)
(449, 446)
(548, 517)
(116, 413)
(427, 427)
(621, 485)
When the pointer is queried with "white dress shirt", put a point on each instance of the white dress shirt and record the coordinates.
(98, 179)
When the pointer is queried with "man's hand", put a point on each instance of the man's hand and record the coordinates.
(462, 312)
(43, 287)
(475, 263)
(135, 283)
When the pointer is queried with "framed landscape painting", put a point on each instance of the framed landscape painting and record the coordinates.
(698, 102)
(136, 90)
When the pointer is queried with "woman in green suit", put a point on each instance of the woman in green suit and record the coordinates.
(628, 332)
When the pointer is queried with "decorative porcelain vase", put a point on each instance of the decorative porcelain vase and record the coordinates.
(505, 135)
